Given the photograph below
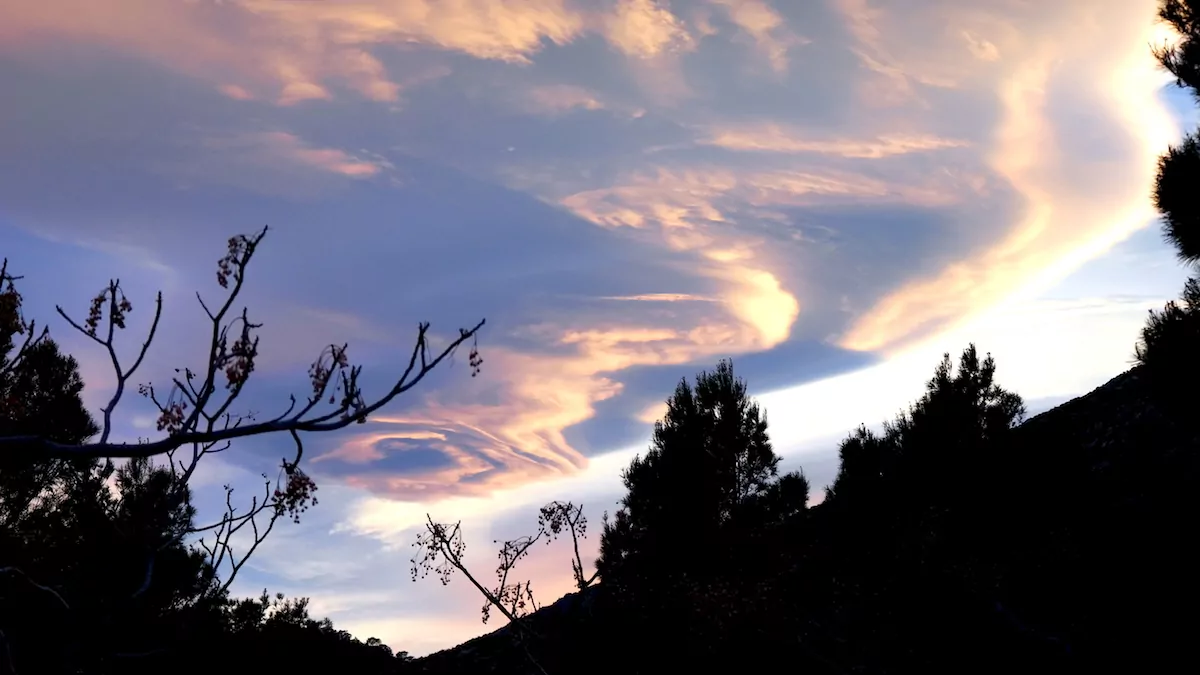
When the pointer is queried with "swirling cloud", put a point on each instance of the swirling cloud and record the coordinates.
(1065, 219)
(891, 172)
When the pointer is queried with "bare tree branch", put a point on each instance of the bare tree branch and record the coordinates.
(189, 412)
(196, 411)
(441, 550)
(20, 574)
(118, 307)
(13, 323)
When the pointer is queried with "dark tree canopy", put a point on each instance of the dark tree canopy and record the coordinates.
(710, 458)
(1168, 344)
(928, 447)
(1175, 192)
(103, 567)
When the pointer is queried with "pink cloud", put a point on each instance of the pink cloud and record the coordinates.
(282, 148)
(646, 29)
(783, 139)
(765, 27)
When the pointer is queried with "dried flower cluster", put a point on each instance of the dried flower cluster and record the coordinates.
(118, 307)
(233, 264)
(11, 322)
(438, 547)
(518, 598)
(197, 416)
(238, 361)
(332, 359)
(298, 494)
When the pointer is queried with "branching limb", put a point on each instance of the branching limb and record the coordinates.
(441, 550)
(557, 517)
(192, 406)
(12, 323)
(118, 307)
(20, 574)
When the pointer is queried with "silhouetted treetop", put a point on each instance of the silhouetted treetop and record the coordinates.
(709, 455)
(1175, 189)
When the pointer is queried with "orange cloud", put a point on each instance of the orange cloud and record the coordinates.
(293, 51)
(488, 29)
(235, 92)
(686, 203)
(908, 47)
(556, 99)
(764, 25)
(282, 147)
(275, 163)
(517, 436)
(646, 29)
(980, 48)
(514, 432)
(652, 413)
(777, 138)
(1072, 210)
(660, 297)
(295, 47)
(366, 449)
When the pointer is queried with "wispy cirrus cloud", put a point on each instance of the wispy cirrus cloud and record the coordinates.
(556, 99)
(646, 29)
(765, 27)
(775, 138)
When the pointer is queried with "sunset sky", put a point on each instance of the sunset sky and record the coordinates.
(832, 192)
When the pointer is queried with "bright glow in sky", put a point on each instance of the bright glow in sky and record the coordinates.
(832, 192)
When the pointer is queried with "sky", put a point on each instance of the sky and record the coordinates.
(832, 193)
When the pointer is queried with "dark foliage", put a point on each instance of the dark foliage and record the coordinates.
(1179, 169)
(97, 573)
(957, 537)
(1167, 347)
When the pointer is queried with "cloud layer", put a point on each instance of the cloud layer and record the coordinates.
(629, 190)
(881, 174)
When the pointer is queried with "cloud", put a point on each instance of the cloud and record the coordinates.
(1066, 220)
(557, 99)
(280, 146)
(235, 92)
(512, 432)
(914, 50)
(271, 163)
(766, 27)
(646, 29)
(298, 48)
(660, 297)
(980, 48)
(776, 138)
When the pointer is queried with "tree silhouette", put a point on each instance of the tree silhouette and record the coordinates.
(710, 457)
(103, 567)
(1168, 344)
(195, 410)
(687, 557)
(1179, 169)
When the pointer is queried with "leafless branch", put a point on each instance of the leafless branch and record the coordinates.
(441, 549)
(13, 323)
(556, 518)
(196, 412)
(192, 407)
(118, 307)
(20, 574)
